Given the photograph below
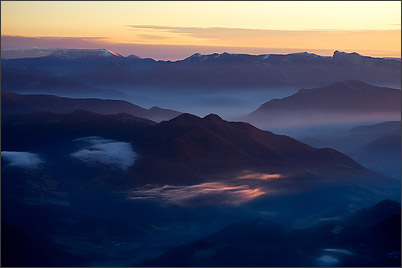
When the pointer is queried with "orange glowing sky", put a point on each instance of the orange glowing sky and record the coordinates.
(173, 30)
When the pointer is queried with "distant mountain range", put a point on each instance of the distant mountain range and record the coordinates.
(13, 103)
(337, 103)
(104, 68)
(260, 243)
(377, 129)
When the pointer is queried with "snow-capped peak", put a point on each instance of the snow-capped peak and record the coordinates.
(306, 54)
(197, 57)
(83, 53)
(201, 57)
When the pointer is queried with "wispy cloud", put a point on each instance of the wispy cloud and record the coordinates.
(340, 39)
(219, 33)
(24, 160)
(153, 37)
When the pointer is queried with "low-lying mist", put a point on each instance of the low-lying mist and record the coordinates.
(100, 151)
(313, 123)
(25, 160)
(228, 104)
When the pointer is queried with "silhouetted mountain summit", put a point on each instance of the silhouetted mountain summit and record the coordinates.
(213, 117)
(336, 103)
(343, 58)
(348, 96)
(211, 144)
(377, 213)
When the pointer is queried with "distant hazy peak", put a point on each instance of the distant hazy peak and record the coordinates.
(132, 56)
(350, 85)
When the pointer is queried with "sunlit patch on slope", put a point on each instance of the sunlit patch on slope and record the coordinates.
(247, 174)
(24, 160)
(98, 150)
(209, 193)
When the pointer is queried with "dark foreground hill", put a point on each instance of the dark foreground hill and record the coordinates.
(183, 150)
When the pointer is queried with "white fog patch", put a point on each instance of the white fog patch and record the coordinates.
(25, 160)
(94, 140)
(105, 151)
(327, 260)
(341, 251)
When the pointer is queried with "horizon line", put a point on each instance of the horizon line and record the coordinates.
(194, 53)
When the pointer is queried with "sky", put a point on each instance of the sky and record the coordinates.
(172, 30)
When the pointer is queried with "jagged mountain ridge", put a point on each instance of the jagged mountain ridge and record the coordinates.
(219, 70)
